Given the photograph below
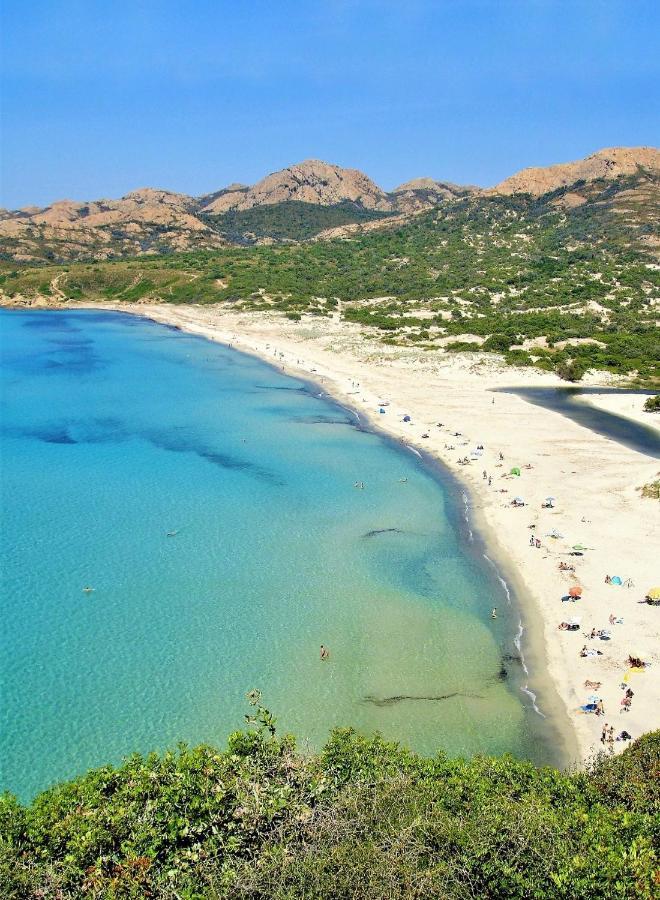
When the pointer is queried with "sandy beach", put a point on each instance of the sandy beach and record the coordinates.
(595, 483)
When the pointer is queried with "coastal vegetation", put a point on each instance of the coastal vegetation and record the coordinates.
(652, 404)
(292, 220)
(363, 818)
(543, 283)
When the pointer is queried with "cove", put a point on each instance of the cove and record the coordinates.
(209, 500)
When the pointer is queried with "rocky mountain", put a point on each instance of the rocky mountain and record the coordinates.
(143, 221)
(606, 164)
(311, 181)
(307, 200)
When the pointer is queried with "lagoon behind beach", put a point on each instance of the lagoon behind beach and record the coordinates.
(209, 501)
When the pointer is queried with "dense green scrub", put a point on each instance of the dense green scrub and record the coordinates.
(362, 819)
(292, 220)
(522, 275)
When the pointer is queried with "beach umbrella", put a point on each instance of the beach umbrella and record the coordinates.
(615, 579)
(406, 418)
(518, 500)
(579, 547)
(654, 593)
(550, 499)
(515, 471)
(575, 591)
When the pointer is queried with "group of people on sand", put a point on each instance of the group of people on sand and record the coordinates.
(607, 736)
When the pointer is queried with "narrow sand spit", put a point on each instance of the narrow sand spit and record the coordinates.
(595, 483)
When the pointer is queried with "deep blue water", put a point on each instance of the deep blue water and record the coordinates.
(116, 431)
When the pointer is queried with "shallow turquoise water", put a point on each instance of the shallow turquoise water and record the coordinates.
(117, 430)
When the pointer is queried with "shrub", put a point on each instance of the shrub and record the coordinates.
(570, 369)
(365, 818)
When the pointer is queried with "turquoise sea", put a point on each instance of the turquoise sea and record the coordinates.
(116, 431)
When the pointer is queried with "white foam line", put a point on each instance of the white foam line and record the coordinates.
(500, 579)
(532, 696)
(414, 450)
(524, 688)
(518, 642)
(466, 514)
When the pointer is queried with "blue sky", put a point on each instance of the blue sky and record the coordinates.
(99, 98)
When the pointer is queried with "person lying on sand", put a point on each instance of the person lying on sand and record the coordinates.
(635, 662)
(594, 685)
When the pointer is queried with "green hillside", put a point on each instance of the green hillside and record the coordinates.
(288, 221)
(364, 818)
(498, 270)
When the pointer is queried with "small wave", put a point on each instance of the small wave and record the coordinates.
(532, 697)
(517, 641)
(466, 515)
(499, 578)
(524, 688)
(414, 450)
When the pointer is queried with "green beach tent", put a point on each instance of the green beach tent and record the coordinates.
(515, 471)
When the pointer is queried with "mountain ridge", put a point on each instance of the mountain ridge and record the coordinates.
(153, 220)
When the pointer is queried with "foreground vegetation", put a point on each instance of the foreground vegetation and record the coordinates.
(544, 283)
(364, 818)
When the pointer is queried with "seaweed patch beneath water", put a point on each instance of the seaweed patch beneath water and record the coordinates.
(376, 531)
(388, 701)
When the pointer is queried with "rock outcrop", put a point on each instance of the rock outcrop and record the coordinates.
(311, 181)
(609, 163)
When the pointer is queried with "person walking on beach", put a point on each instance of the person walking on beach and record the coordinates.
(603, 734)
(600, 709)
(325, 653)
(610, 738)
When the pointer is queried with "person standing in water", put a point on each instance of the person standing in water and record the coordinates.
(325, 653)
(493, 614)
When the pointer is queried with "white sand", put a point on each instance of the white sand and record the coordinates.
(630, 406)
(595, 482)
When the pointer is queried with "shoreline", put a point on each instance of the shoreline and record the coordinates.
(353, 369)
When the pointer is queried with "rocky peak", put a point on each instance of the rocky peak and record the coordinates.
(311, 181)
(609, 163)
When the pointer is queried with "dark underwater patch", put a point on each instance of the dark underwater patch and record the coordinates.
(377, 531)
(180, 444)
(399, 698)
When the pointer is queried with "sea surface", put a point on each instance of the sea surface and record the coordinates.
(117, 431)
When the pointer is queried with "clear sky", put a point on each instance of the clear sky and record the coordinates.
(99, 98)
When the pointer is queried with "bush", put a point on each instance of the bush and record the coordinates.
(570, 369)
(652, 404)
(365, 818)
